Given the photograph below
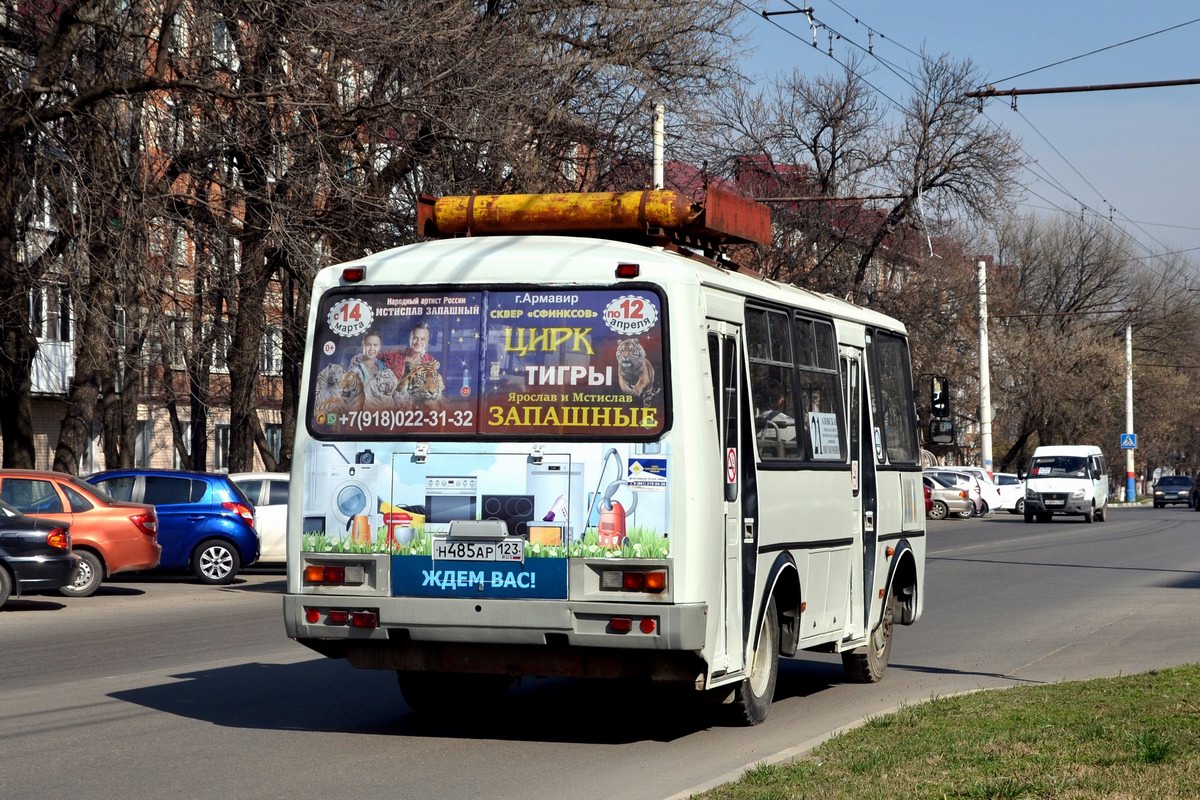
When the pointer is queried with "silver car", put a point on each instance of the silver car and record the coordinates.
(948, 500)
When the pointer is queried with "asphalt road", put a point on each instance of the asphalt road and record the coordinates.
(161, 687)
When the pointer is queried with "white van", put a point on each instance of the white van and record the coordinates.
(1067, 479)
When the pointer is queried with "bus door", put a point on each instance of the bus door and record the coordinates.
(863, 487)
(725, 358)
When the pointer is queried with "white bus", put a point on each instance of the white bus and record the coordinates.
(532, 454)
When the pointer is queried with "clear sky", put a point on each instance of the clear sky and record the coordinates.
(1134, 151)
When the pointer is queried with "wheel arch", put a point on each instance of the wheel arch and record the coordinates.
(97, 552)
(782, 583)
(902, 583)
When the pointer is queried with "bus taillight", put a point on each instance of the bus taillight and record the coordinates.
(652, 581)
(334, 574)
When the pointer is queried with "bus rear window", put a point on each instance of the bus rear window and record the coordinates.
(516, 364)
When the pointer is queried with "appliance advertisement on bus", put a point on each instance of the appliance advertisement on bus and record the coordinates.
(425, 409)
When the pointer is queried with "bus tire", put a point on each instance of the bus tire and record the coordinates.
(867, 664)
(753, 697)
(447, 695)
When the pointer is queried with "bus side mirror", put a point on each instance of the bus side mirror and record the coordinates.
(939, 396)
(941, 431)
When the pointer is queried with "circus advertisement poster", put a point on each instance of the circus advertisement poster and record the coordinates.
(393, 363)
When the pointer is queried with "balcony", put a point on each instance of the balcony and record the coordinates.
(53, 367)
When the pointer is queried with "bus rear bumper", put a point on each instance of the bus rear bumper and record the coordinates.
(516, 637)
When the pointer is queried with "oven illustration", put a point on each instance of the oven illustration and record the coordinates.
(448, 498)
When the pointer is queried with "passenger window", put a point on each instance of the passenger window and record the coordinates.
(774, 411)
(277, 493)
(119, 488)
(78, 502)
(31, 496)
(167, 491)
(252, 489)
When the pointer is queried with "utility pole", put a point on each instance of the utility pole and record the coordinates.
(658, 145)
(1130, 475)
(985, 386)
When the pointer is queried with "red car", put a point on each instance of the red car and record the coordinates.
(108, 536)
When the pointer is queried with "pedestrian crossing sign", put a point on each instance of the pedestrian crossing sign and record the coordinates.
(1128, 441)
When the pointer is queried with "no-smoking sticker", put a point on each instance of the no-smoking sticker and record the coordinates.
(731, 465)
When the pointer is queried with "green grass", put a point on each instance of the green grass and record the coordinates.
(1118, 739)
(639, 543)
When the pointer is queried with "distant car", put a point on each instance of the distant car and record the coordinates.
(269, 493)
(35, 555)
(947, 499)
(1012, 492)
(205, 523)
(1173, 489)
(993, 499)
(965, 480)
(109, 537)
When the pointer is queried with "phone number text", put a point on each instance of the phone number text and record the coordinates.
(389, 418)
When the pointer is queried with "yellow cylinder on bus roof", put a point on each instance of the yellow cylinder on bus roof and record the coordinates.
(573, 211)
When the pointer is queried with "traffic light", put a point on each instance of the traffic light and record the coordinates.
(939, 396)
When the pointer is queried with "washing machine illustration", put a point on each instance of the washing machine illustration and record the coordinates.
(355, 497)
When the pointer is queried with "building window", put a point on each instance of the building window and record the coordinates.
(274, 435)
(221, 457)
(270, 356)
(141, 451)
(177, 340)
(185, 430)
(50, 313)
(221, 337)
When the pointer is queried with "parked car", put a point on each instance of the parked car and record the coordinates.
(1012, 492)
(269, 493)
(35, 554)
(963, 480)
(107, 536)
(947, 499)
(993, 499)
(1172, 489)
(205, 523)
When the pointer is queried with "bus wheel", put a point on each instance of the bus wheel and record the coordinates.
(754, 695)
(450, 694)
(866, 664)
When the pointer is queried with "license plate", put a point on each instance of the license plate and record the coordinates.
(1055, 502)
(510, 550)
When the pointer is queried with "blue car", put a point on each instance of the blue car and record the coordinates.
(205, 522)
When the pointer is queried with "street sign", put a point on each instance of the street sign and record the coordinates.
(1129, 441)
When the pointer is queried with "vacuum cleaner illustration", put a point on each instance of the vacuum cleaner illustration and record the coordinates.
(613, 514)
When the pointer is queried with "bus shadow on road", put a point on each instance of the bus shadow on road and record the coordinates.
(328, 696)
